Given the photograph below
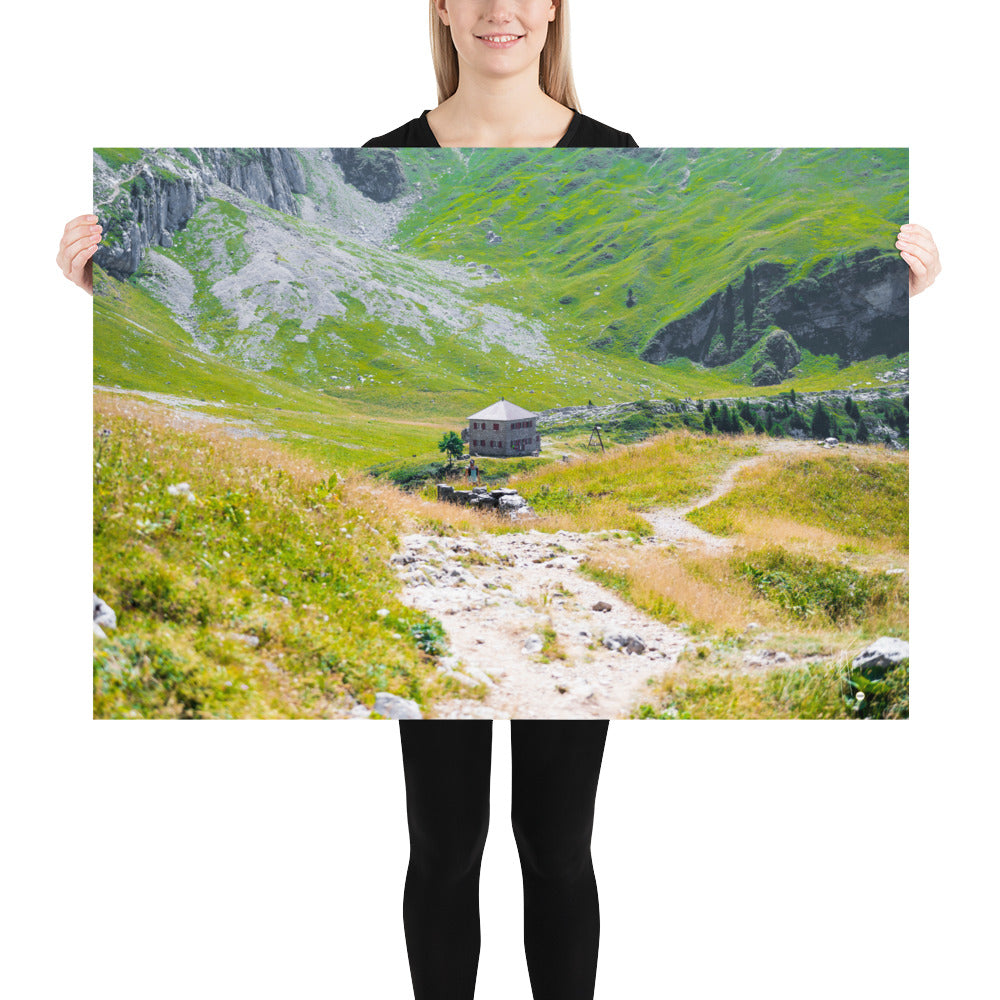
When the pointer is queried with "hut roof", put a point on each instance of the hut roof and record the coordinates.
(502, 409)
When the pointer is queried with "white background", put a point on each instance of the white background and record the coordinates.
(261, 860)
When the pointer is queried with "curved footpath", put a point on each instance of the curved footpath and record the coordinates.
(520, 618)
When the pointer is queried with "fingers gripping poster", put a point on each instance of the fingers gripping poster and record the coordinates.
(500, 433)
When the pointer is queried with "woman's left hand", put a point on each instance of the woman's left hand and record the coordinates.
(916, 246)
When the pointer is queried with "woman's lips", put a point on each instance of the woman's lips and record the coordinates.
(491, 40)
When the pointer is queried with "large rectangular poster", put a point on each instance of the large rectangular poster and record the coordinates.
(500, 433)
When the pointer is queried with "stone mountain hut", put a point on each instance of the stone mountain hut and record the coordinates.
(503, 429)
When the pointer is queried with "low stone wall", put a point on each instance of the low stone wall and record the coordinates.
(506, 501)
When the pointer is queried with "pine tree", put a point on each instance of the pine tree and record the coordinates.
(749, 298)
(728, 322)
(820, 426)
(709, 426)
(713, 408)
(862, 431)
(791, 393)
(700, 406)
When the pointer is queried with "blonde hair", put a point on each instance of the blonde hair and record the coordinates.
(555, 74)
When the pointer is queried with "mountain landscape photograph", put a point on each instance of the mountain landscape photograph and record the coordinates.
(500, 433)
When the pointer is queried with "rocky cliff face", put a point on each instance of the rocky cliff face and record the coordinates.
(270, 176)
(141, 204)
(855, 311)
(144, 214)
(376, 173)
(856, 308)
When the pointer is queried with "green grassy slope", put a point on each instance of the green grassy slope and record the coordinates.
(673, 226)
(401, 346)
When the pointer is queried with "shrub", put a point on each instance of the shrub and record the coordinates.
(429, 635)
(804, 586)
(883, 694)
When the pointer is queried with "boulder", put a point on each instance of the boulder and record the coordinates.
(104, 617)
(394, 707)
(627, 641)
(876, 660)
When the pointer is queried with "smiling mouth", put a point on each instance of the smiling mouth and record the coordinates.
(499, 41)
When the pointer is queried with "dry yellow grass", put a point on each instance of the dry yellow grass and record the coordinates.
(858, 497)
(807, 539)
(250, 453)
(696, 588)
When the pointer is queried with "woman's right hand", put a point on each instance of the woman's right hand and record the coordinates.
(78, 244)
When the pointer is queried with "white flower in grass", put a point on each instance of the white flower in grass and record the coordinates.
(860, 696)
(382, 612)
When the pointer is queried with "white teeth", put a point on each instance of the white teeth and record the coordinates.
(499, 38)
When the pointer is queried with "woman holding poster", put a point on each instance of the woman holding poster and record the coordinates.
(504, 80)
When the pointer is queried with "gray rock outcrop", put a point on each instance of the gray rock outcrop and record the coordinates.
(376, 173)
(150, 200)
(776, 356)
(856, 308)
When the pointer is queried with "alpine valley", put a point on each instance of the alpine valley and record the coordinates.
(361, 301)
(289, 345)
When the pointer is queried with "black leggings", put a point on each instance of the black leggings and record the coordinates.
(555, 767)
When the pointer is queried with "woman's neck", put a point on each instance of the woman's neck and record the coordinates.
(493, 112)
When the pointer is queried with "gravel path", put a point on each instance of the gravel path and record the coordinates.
(497, 595)
(520, 618)
(670, 525)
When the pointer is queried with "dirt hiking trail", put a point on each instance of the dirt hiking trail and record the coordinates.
(520, 618)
